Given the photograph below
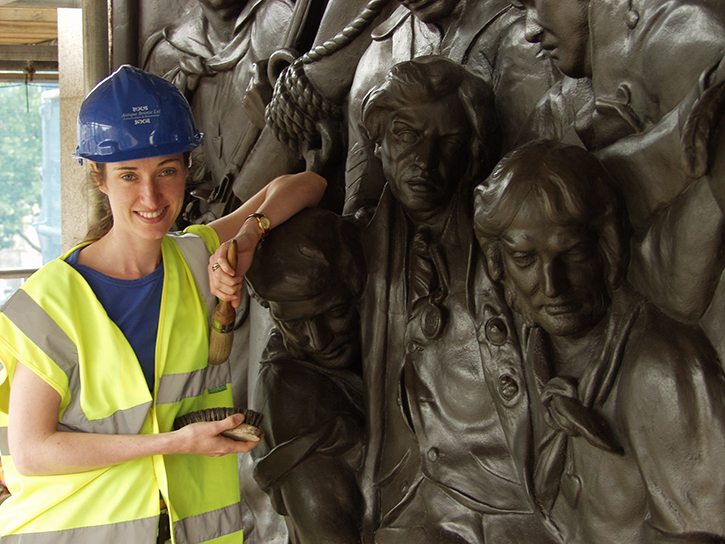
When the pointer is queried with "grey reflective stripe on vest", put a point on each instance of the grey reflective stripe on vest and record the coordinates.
(209, 525)
(128, 421)
(138, 531)
(197, 259)
(45, 333)
(4, 447)
(176, 387)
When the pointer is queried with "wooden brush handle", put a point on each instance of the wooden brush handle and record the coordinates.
(224, 314)
(232, 254)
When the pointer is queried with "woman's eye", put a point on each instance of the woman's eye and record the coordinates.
(128, 177)
(168, 172)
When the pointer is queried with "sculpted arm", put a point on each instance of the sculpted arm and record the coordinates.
(39, 448)
(160, 56)
(672, 198)
(672, 177)
(678, 48)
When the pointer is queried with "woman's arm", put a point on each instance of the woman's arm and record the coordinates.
(38, 448)
(279, 200)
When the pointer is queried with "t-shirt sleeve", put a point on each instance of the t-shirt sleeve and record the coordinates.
(207, 233)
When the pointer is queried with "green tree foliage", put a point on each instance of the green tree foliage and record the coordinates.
(20, 159)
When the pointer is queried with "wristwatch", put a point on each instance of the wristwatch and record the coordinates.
(262, 222)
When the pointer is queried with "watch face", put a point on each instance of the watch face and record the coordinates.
(264, 223)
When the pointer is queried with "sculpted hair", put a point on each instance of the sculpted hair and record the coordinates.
(572, 187)
(426, 80)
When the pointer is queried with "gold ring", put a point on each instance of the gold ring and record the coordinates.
(214, 267)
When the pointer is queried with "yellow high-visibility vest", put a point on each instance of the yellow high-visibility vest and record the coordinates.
(55, 326)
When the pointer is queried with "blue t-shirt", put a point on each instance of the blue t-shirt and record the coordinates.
(133, 305)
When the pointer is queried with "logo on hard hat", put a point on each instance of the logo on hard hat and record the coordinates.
(140, 115)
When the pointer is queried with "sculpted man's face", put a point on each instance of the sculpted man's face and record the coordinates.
(553, 274)
(562, 29)
(325, 328)
(424, 152)
(430, 11)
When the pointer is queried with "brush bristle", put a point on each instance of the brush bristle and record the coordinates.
(220, 346)
(251, 418)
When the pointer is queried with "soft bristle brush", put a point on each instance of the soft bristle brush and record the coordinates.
(222, 325)
(246, 432)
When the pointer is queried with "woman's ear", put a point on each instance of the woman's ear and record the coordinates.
(98, 178)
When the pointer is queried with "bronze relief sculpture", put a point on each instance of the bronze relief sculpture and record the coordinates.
(467, 410)
(310, 273)
(627, 406)
(435, 447)
(654, 109)
(486, 37)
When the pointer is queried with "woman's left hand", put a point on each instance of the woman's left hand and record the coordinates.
(224, 281)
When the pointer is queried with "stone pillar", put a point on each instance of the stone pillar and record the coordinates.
(75, 209)
(95, 43)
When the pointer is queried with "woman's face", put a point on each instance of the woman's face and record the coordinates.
(145, 195)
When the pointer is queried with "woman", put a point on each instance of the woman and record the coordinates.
(103, 348)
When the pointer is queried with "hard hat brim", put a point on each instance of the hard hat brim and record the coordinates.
(141, 153)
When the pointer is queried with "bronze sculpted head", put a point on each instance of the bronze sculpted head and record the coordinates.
(555, 238)
(435, 127)
(605, 368)
(309, 272)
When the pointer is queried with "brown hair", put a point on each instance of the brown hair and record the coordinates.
(102, 216)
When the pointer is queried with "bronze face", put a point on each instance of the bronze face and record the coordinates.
(553, 276)
(324, 328)
(424, 153)
(561, 27)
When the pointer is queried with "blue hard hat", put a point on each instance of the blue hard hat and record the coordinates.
(132, 115)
